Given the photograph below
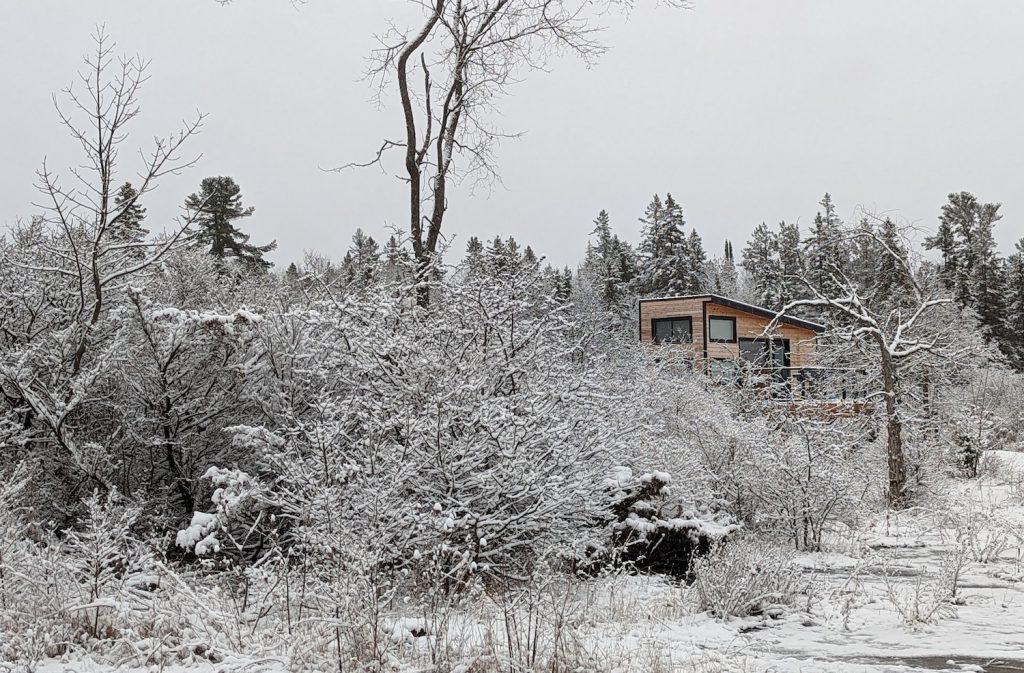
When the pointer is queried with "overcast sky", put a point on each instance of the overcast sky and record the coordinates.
(744, 110)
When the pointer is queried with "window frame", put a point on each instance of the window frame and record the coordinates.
(654, 333)
(735, 335)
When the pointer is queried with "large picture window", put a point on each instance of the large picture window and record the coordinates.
(722, 329)
(672, 330)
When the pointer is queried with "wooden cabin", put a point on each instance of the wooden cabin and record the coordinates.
(729, 339)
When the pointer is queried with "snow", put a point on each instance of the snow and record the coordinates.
(199, 529)
(848, 623)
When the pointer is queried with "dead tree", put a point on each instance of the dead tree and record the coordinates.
(469, 53)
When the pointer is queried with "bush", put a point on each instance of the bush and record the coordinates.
(744, 577)
(655, 530)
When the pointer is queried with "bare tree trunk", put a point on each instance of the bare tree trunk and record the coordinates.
(896, 494)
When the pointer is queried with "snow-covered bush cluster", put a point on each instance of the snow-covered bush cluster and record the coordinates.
(296, 450)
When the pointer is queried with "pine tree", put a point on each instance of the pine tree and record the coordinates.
(761, 266)
(218, 205)
(988, 282)
(945, 241)
(971, 265)
(291, 274)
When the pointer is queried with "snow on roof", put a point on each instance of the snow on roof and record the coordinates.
(743, 306)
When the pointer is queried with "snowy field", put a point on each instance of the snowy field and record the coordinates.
(875, 603)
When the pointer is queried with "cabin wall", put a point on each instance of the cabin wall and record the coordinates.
(748, 326)
(674, 308)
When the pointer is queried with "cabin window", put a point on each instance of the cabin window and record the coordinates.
(722, 329)
(724, 371)
(765, 353)
(672, 330)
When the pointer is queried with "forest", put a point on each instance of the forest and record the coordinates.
(409, 456)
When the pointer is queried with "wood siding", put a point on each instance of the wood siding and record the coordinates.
(748, 326)
(674, 308)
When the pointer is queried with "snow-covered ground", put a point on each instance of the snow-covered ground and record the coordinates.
(874, 603)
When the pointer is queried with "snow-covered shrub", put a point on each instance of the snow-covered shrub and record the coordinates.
(464, 439)
(655, 528)
(747, 577)
(930, 596)
(111, 568)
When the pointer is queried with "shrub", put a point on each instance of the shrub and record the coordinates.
(744, 578)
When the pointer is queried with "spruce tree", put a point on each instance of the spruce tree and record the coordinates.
(663, 268)
(361, 262)
(888, 281)
(218, 206)
(530, 260)
(126, 226)
(396, 261)
(790, 264)
(761, 266)
(1015, 306)
(603, 262)
(474, 260)
(695, 259)
(825, 254)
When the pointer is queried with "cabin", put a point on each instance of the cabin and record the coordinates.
(730, 340)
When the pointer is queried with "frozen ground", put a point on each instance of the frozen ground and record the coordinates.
(860, 616)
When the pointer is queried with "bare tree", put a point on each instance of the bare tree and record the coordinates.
(894, 334)
(72, 261)
(469, 53)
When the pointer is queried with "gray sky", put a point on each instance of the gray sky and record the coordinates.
(745, 110)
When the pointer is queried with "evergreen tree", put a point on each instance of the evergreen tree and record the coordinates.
(761, 266)
(988, 282)
(126, 226)
(291, 274)
(530, 261)
(945, 241)
(971, 265)
(695, 260)
(396, 261)
(888, 281)
(561, 290)
(218, 205)
(825, 253)
(474, 260)
(663, 266)
(603, 262)
(720, 274)
(1015, 306)
(361, 262)
(790, 264)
